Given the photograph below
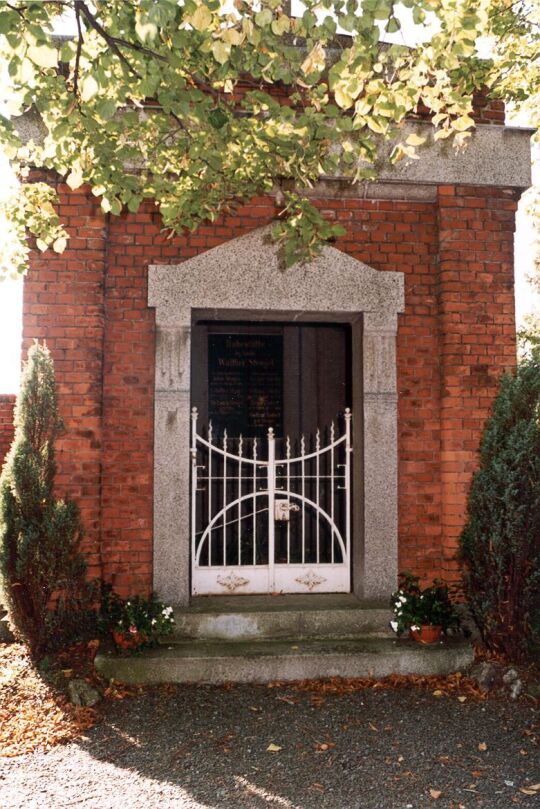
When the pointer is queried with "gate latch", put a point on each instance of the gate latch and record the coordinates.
(283, 508)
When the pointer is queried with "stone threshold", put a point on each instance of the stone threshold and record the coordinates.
(264, 661)
(249, 617)
(278, 602)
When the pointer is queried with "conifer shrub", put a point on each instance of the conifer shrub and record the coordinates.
(43, 571)
(500, 544)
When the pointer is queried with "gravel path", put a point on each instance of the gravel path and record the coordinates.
(206, 748)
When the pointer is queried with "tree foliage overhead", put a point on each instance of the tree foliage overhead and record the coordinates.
(200, 104)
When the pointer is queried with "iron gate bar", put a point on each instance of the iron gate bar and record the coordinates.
(277, 471)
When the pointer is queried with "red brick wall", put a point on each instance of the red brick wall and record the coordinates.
(64, 304)
(7, 405)
(454, 340)
(477, 333)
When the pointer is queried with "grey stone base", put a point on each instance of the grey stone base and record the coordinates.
(266, 661)
(291, 616)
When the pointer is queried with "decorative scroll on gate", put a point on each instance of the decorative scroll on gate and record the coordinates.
(271, 515)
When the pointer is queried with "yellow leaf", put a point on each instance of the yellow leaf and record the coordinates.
(201, 18)
(43, 55)
(59, 245)
(440, 134)
(89, 88)
(221, 51)
(232, 36)
(273, 748)
(343, 99)
(75, 177)
(415, 140)
(462, 123)
(462, 699)
(438, 693)
(315, 60)
(527, 791)
(435, 793)
(482, 746)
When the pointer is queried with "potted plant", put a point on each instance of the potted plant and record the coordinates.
(136, 622)
(425, 613)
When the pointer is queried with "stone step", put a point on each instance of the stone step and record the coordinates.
(282, 616)
(265, 661)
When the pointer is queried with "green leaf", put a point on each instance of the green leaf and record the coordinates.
(263, 17)
(7, 18)
(281, 25)
(217, 118)
(393, 25)
(106, 109)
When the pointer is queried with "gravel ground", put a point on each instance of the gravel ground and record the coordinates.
(206, 748)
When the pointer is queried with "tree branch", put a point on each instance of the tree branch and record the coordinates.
(110, 40)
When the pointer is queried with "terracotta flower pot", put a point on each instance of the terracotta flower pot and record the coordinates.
(427, 634)
(128, 640)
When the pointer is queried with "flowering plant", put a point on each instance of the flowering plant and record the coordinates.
(414, 607)
(135, 622)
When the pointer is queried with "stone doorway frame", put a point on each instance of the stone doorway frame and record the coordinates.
(242, 280)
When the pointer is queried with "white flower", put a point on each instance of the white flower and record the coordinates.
(415, 628)
(393, 626)
(154, 622)
(402, 599)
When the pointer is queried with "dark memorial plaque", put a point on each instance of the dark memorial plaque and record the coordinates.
(245, 383)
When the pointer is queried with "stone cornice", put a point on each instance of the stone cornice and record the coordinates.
(494, 155)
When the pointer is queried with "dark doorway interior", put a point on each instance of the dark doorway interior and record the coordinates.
(247, 377)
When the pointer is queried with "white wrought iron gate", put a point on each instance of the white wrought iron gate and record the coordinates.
(261, 523)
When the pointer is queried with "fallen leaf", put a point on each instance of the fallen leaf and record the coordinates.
(324, 746)
(536, 787)
(372, 727)
(482, 746)
(435, 793)
(438, 693)
(273, 748)
(462, 699)
(527, 791)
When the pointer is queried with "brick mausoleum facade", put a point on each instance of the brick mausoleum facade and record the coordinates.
(446, 224)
